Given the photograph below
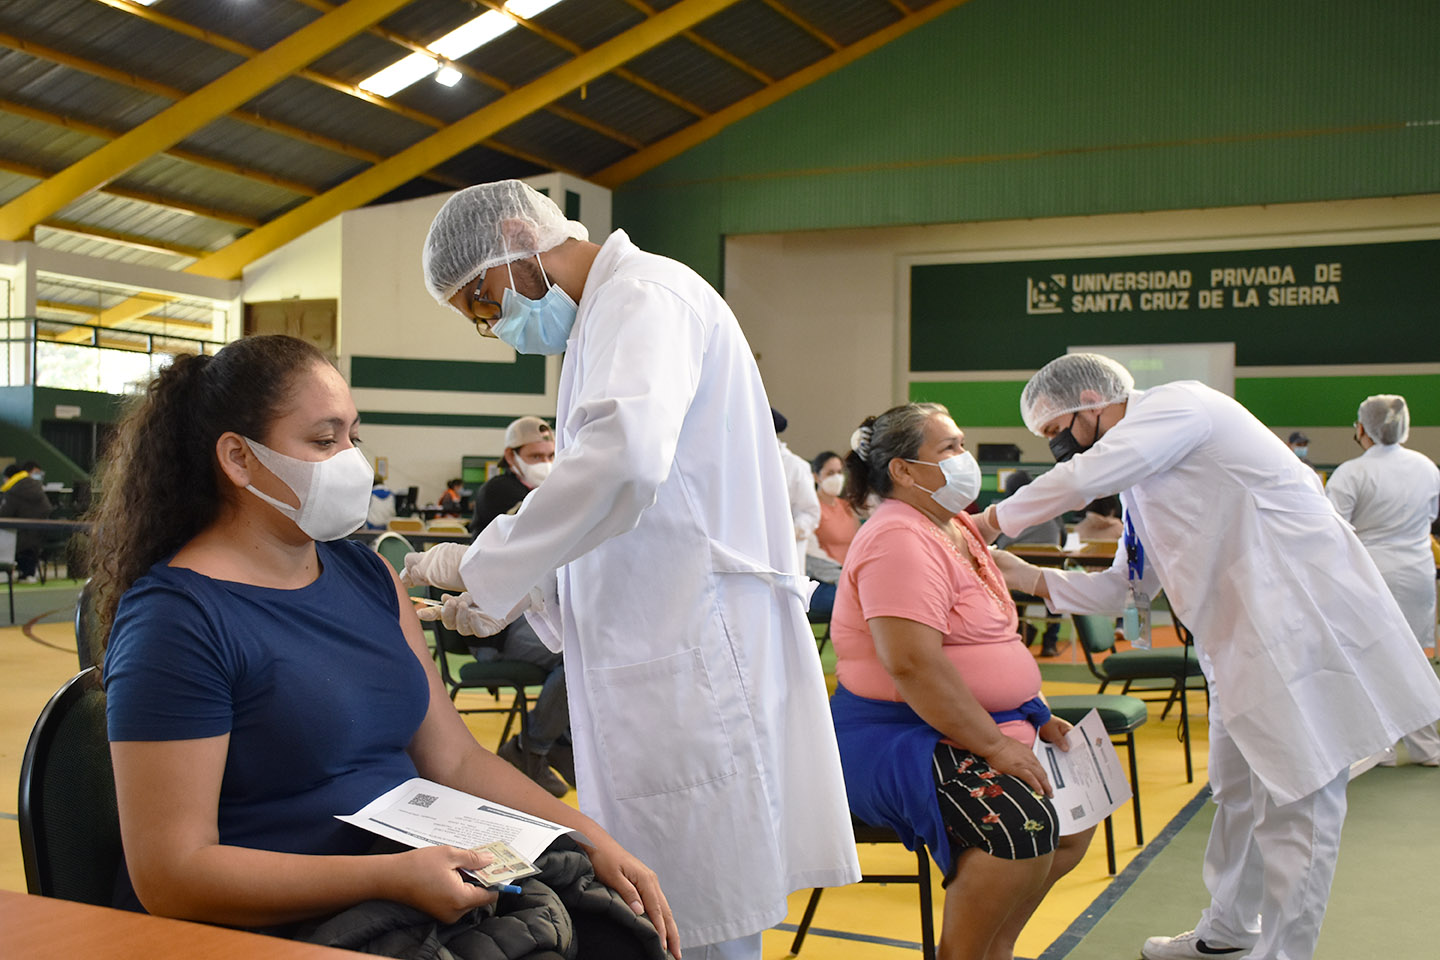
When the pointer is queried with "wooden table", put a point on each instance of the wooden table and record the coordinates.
(41, 928)
(1093, 553)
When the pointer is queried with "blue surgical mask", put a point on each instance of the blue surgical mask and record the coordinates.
(536, 326)
(1302, 452)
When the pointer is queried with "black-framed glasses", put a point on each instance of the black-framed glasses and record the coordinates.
(483, 312)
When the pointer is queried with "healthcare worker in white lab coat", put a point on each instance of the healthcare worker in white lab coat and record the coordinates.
(698, 706)
(1391, 495)
(1309, 660)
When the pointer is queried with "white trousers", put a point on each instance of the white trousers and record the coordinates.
(743, 948)
(1268, 867)
(1423, 746)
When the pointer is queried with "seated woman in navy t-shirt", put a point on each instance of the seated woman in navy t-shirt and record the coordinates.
(260, 682)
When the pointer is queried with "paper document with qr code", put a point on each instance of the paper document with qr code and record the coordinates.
(1088, 779)
(422, 813)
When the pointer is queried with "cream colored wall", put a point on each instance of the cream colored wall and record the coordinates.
(306, 268)
(826, 312)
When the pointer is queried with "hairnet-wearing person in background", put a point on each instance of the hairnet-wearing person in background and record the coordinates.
(1392, 495)
(663, 547)
(1309, 660)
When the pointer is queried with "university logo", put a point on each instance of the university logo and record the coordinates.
(1043, 296)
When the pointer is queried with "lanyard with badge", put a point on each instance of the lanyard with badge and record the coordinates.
(1137, 602)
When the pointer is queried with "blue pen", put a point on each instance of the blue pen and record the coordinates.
(507, 888)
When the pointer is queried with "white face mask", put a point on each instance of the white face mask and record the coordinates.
(833, 484)
(533, 474)
(962, 482)
(334, 494)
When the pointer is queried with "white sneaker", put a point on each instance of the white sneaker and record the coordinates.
(1187, 946)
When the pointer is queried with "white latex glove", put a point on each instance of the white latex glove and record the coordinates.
(1020, 575)
(463, 616)
(437, 567)
(987, 523)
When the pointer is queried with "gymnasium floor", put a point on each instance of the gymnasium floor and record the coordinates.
(1391, 836)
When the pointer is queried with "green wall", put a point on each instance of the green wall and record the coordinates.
(1005, 109)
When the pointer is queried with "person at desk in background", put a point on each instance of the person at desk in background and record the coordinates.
(23, 496)
(529, 455)
(1050, 533)
(1308, 658)
(664, 549)
(938, 703)
(451, 498)
(238, 614)
(1101, 522)
(1391, 496)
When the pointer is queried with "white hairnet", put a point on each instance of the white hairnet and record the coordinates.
(1055, 390)
(1385, 418)
(487, 225)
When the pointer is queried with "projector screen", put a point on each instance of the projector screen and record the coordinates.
(1213, 364)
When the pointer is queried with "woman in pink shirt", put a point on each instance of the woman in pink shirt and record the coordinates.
(939, 701)
(838, 520)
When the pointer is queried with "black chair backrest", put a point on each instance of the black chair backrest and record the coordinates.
(69, 827)
(88, 642)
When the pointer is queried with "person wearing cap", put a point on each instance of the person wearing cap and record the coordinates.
(529, 454)
(664, 551)
(1309, 660)
(1392, 495)
(1299, 445)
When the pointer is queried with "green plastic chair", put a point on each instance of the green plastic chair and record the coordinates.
(1173, 667)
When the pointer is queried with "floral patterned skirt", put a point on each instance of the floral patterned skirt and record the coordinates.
(989, 810)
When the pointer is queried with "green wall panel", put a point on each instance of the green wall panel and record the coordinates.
(974, 403)
(1005, 109)
(525, 375)
(1332, 401)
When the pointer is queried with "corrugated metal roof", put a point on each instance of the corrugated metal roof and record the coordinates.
(110, 68)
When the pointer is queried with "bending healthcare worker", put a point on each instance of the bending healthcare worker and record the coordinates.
(1310, 663)
(1391, 495)
(664, 551)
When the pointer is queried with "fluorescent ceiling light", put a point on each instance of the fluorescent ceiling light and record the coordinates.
(468, 36)
(528, 8)
(490, 25)
(146, 3)
(399, 75)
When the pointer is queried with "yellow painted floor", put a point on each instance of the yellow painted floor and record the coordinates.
(31, 669)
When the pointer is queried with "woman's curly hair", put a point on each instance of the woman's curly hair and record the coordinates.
(159, 484)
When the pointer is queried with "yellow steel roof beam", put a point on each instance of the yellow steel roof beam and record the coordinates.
(711, 48)
(682, 140)
(228, 262)
(226, 216)
(480, 76)
(179, 120)
(653, 89)
(199, 159)
(802, 23)
(314, 76)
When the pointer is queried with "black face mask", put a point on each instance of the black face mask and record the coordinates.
(1064, 445)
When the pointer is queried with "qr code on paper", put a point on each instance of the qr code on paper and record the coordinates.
(1075, 812)
(422, 800)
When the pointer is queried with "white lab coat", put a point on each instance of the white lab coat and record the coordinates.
(804, 501)
(1391, 495)
(699, 712)
(1294, 626)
